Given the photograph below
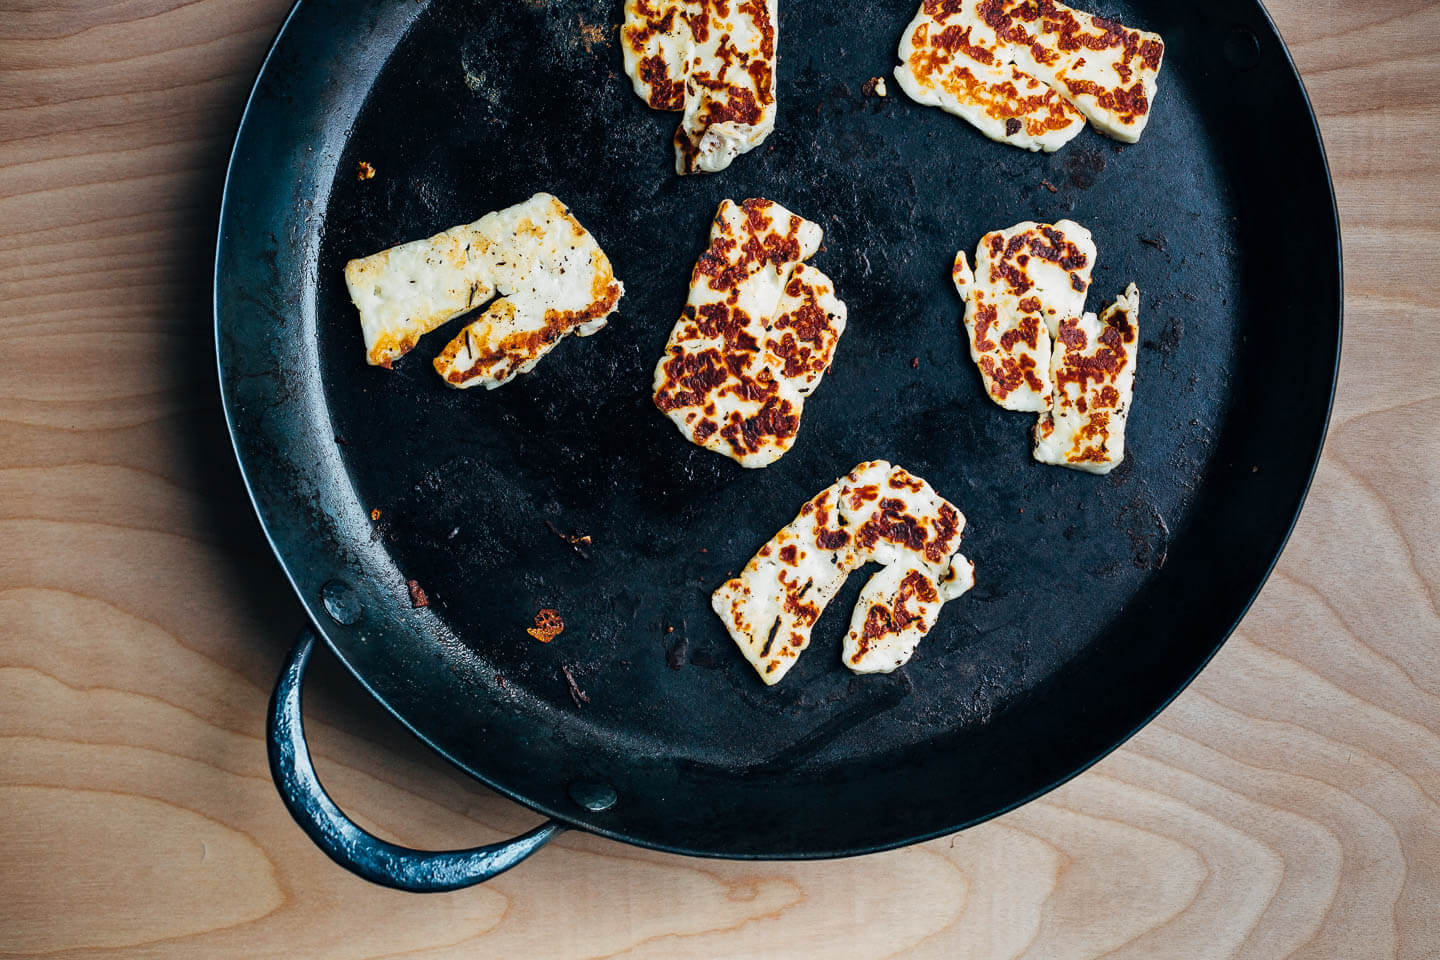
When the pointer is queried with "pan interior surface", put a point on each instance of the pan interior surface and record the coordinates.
(1097, 598)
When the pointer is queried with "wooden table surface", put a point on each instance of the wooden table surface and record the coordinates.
(1286, 805)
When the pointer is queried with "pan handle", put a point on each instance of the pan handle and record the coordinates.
(359, 852)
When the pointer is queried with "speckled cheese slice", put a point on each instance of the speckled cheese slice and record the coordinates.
(552, 273)
(876, 513)
(772, 605)
(1026, 279)
(756, 335)
(1094, 373)
(1109, 71)
(951, 59)
(715, 62)
(1030, 72)
(897, 607)
(554, 280)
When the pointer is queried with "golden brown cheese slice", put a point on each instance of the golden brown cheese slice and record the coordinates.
(875, 513)
(553, 276)
(1094, 373)
(952, 59)
(1030, 72)
(714, 60)
(758, 332)
(771, 607)
(1109, 71)
(1026, 279)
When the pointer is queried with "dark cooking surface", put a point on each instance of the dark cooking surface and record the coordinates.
(1096, 597)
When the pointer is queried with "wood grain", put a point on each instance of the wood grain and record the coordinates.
(1287, 805)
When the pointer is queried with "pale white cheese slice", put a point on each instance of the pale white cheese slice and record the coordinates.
(952, 59)
(1026, 279)
(1094, 373)
(757, 334)
(715, 62)
(405, 292)
(552, 273)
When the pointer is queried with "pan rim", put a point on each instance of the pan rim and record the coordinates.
(577, 820)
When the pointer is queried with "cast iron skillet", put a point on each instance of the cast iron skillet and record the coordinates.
(1098, 598)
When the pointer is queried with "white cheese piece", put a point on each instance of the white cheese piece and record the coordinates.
(897, 608)
(405, 292)
(1107, 70)
(1094, 374)
(714, 62)
(553, 274)
(757, 334)
(951, 59)
(771, 607)
(875, 513)
(1026, 279)
(555, 280)
(1030, 72)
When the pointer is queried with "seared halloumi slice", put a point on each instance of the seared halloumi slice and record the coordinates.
(952, 59)
(553, 274)
(1094, 374)
(757, 333)
(874, 513)
(715, 62)
(801, 336)
(1030, 72)
(554, 280)
(896, 518)
(1026, 279)
(1107, 70)
(405, 292)
(771, 607)
(897, 608)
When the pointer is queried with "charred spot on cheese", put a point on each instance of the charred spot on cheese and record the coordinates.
(1030, 72)
(714, 62)
(1094, 374)
(550, 274)
(1025, 279)
(878, 513)
(755, 339)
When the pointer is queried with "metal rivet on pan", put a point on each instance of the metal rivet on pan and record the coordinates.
(594, 797)
(1242, 48)
(340, 601)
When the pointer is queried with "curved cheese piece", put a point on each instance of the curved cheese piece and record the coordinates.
(1030, 72)
(1094, 373)
(715, 61)
(951, 59)
(876, 513)
(897, 607)
(1026, 279)
(553, 274)
(757, 334)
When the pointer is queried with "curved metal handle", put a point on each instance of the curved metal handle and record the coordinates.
(374, 859)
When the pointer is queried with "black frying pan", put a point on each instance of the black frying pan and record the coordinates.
(1098, 598)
